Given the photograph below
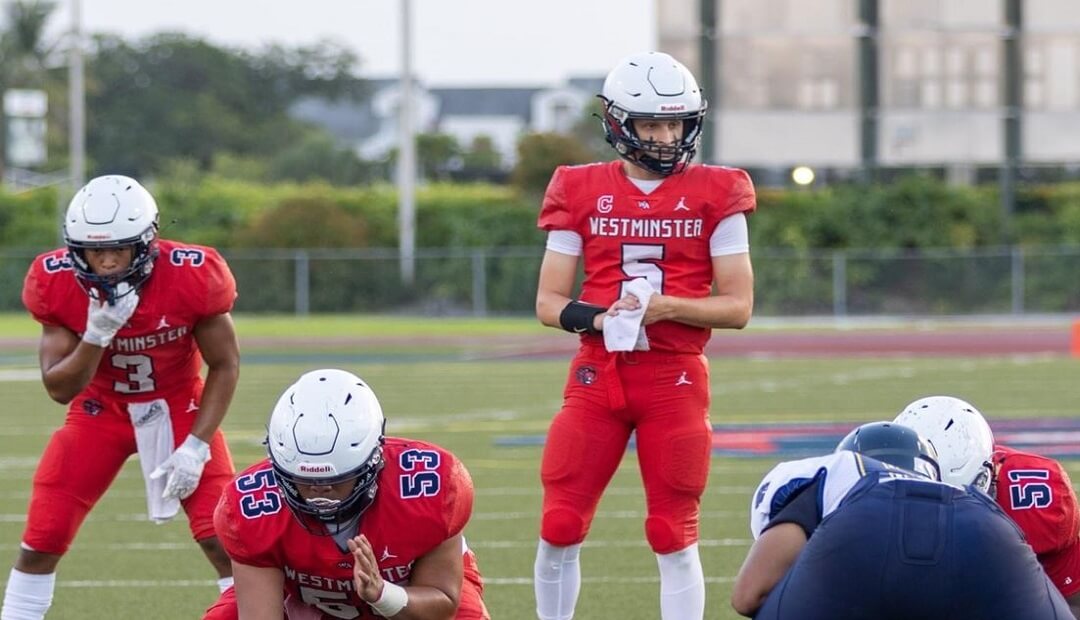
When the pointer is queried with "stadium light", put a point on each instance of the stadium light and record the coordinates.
(802, 175)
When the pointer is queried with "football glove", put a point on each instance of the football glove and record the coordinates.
(184, 468)
(104, 319)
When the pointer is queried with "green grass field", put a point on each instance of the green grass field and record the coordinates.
(122, 566)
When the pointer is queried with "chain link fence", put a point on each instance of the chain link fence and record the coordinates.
(502, 281)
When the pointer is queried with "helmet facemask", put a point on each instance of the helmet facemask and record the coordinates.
(323, 516)
(144, 253)
(662, 159)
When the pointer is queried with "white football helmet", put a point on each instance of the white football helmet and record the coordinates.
(327, 428)
(652, 85)
(959, 433)
(112, 211)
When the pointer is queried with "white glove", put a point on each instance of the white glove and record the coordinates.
(103, 319)
(184, 468)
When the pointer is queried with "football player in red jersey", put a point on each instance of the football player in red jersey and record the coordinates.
(649, 217)
(1035, 491)
(127, 321)
(343, 522)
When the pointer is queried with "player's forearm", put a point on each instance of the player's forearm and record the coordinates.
(221, 382)
(769, 559)
(714, 312)
(69, 376)
(549, 305)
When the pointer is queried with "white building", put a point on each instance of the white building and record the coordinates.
(503, 114)
(789, 92)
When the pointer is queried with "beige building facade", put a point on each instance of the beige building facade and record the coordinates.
(789, 89)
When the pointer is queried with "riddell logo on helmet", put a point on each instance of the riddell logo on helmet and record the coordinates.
(316, 469)
(99, 236)
(672, 107)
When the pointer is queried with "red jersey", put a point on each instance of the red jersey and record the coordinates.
(425, 496)
(1035, 491)
(662, 236)
(155, 354)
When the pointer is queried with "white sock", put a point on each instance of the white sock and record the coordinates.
(28, 596)
(682, 585)
(556, 580)
(224, 583)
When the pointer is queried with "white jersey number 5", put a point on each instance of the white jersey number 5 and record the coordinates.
(642, 261)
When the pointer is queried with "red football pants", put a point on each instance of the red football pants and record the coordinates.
(84, 456)
(664, 399)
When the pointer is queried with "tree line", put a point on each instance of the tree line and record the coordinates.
(171, 104)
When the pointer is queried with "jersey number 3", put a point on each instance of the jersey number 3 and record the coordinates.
(140, 377)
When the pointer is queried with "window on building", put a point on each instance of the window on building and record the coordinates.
(931, 93)
(1034, 68)
(562, 117)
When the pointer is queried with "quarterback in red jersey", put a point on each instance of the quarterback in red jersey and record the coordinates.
(1033, 490)
(665, 251)
(127, 321)
(342, 522)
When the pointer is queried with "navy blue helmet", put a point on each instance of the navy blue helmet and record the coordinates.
(895, 445)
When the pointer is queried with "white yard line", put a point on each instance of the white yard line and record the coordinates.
(209, 583)
(473, 544)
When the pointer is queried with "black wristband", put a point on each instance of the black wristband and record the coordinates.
(577, 317)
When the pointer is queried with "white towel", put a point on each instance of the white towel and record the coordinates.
(154, 440)
(624, 332)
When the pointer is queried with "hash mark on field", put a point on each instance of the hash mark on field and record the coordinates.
(20, 374)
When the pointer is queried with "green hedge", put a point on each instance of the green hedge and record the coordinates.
(916, 212)
(794, 234)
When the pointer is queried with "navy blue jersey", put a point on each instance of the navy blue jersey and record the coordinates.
(898, 547)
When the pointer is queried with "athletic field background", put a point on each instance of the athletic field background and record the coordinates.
(465, 384)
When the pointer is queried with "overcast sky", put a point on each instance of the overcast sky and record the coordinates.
(455, 42)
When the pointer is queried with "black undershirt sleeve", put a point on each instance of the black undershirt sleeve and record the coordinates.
(802, 510)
